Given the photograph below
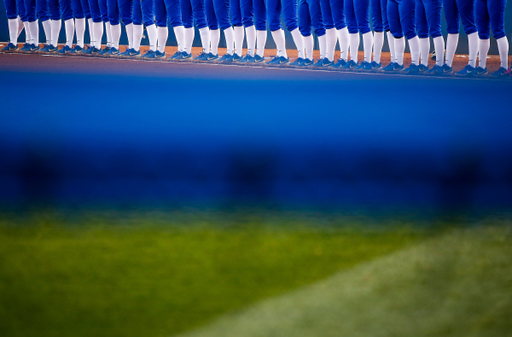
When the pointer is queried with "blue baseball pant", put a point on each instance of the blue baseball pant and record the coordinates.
(338, 13)
(254, 13)
(236, 13)
(193, 10)
(42, 10)
(350, 16)
(113, 12)
(327, 18)
(428, 18)
(401, 18)
(289, 10)
(454, 11)
(30, 10)
(148, 12)
(125, 10)
(490, 13)
(310, 16)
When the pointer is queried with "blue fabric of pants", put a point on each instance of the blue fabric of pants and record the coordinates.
(95, 10)
(428, 18)
(113, 12)
(350, 16)
(457, 10)
(42, 10)
(125, 10)
(325, 6)
(490, 13)
(338, 13)
(310, 17)
(401, 18)
(236, 13)
(286, 7)
(30, 10)
(148, 12)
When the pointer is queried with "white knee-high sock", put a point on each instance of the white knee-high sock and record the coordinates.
(473, 41)
(91, 32)
(229, 35)
(399, 50)
(137, 36)
(27, 32)
(343, 41)
(214, 42)
(69, 26)
(205, 39)
(250, 33)
(354, 46)
(116, 35)
(80, 31)
(414, 47)
(299, 41)
(424, 50)
(21, 26)
(330, 40)
(261, 41)
(108, 32)
(279, 39)
(47, 28)
(13, 31)
(451, 46)
(188, 40)
(391, 45)
(322, 45)
(482, 52)
(163, 34)
(98, 33)
(309, 44)
(34, 32)
(55, 24)
(503, 51)
(439, 48)
(152, 36)
(179, 32)
(367, 46)
(239, 39)
(129, 35)
(378, 42)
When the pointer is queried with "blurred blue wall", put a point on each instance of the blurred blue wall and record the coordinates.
(307, 142)
(462, 48)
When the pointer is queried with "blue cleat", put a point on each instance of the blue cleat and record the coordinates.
(52, 49)
(247, 59)
(364, 66)
(44, 48)
(298, 62)
(350, 65)
(339, 64)
(93, 51)
(412, 70)
(466, 72)
(175, 56)
(259, 59)
(105, 51)
(278, 60)
(10, 47)
(211, 57)
(26, 47)
(446, 70)
(307, 63)
(374, 66)
(227, 58)
(502, 72)
(112, 52)
(78, 50)
(150, 54)
(480, 72)
(185, 56)
(319, 63)
(130, 52)
(65, 50)
(159, 55)
(236, 57)
(393, 67)
(201, 57)
(422, 69)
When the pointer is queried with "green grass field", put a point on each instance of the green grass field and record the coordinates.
(233, 274)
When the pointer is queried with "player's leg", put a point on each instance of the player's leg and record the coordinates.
(330, 33)
(125, 14)
(305, 30)
(108, 29)
(238, 29)
(496, 10)
(213, 25)
(353, 32)
(406, 8)
(202, 25)
(422, 30)
(466, 10)
(338, 15)
(451, 15)
(55, 24)
(247, 12)
(483, 23)
(222, 13)
(115, 27)
(162, 33)
(188, 31)
(260, 21)
(433, 11)
(274, 23)
(362, 10)
(289, 8)
(138, 27)
(44, 18)
(395, 27)
(12, 22)
(69, 25)
(148, 18)
(95, 28)
(378, 35)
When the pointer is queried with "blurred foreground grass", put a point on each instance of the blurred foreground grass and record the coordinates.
(145, 274)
